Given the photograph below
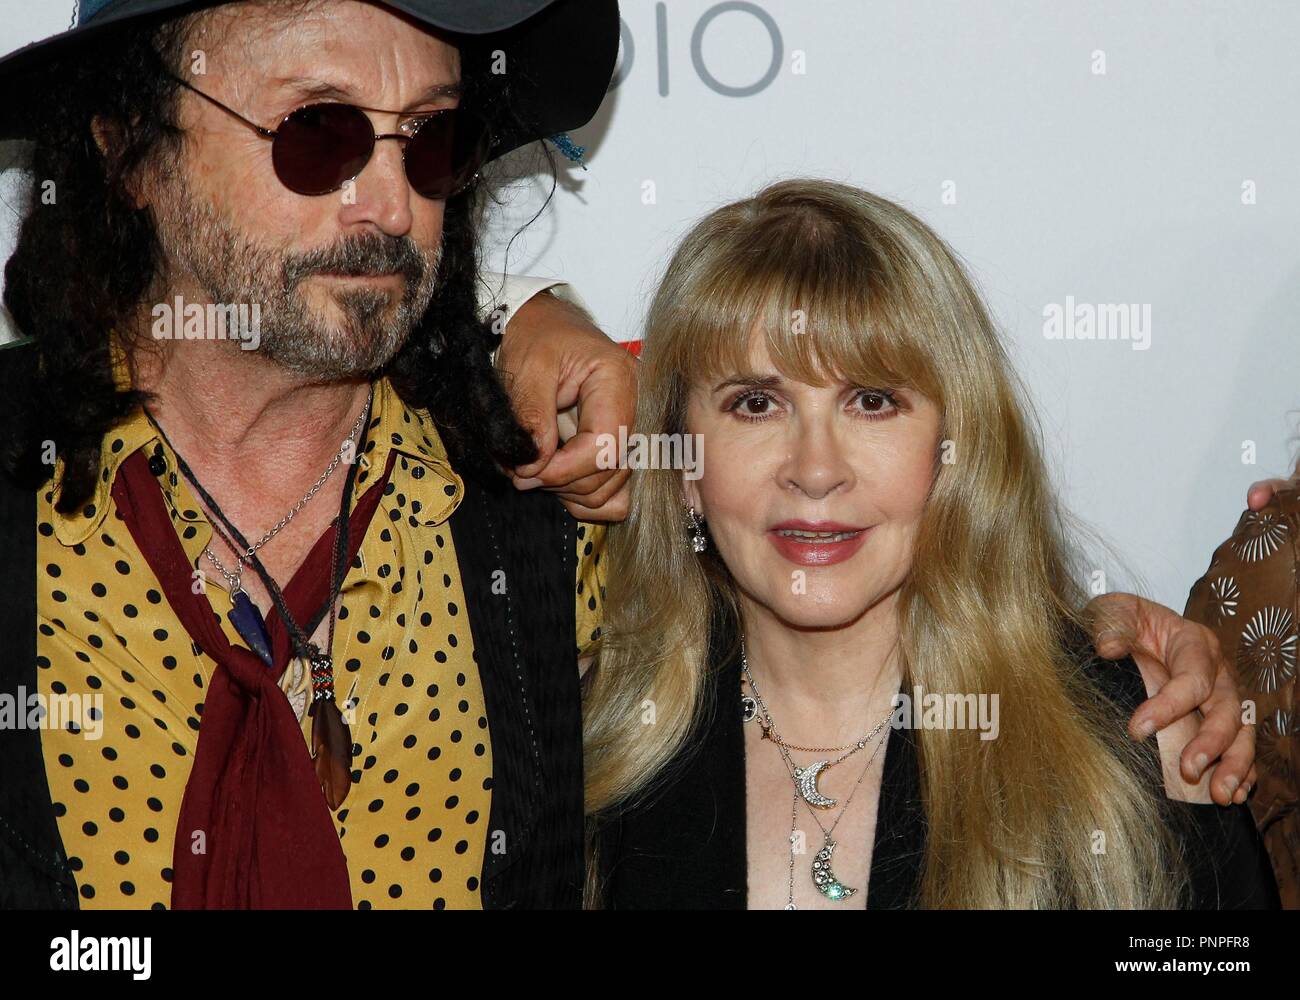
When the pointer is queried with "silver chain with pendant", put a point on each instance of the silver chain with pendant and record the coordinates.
(295, 682)
(805, 787)
(234, 579)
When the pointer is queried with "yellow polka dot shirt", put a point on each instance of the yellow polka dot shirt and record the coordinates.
(414, 825)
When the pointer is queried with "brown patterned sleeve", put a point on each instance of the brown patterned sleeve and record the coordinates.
(1248, 598)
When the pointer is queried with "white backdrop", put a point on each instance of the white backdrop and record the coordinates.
(1123, 152)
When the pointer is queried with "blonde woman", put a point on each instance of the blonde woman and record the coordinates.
(871, 528)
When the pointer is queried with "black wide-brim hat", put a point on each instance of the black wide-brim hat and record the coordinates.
(560, 54)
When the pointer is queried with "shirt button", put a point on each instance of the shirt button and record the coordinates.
(157, 466)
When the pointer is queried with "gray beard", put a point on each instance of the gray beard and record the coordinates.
(233, 268)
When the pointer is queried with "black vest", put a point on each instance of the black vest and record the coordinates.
(524, 647)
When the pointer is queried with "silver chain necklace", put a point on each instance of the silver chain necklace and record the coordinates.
(823, 876)
(233, 579)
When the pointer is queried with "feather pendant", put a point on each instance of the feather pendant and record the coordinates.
(331, 750)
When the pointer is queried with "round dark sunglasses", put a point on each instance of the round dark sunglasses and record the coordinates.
(318, 148)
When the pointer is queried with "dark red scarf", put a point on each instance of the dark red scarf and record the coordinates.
(254, 830)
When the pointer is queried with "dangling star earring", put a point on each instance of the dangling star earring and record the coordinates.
(695, 529)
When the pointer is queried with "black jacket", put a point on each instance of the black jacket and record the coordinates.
(684, 847)
(524, 645)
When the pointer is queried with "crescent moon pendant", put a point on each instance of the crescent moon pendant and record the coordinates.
(824, 879)
(806, 781)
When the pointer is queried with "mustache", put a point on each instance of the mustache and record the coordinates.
(363, 254)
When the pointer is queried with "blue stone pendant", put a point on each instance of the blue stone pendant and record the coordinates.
(249, 624)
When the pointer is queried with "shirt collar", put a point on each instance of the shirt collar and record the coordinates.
(426, 487)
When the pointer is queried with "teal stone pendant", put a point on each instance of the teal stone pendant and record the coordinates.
(824, 879)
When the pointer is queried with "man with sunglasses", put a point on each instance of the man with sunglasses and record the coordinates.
(292, 642)
(296, 534)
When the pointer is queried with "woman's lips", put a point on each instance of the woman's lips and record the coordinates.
(816, 543)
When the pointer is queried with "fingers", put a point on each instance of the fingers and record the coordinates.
(611, 511)
(1219, 739)
(576, 464)
(1194, 659)
(1260, 494)
(1187, 652)
(539, 419)
(585, 473)
(1113, 623)
(1243, 793)
(575, 471)
(1178, 698)
(606, 404)
(568, 361)
(549, 352)
(603, 386)
(588, 492)
(1199, 680)
(1235, 772)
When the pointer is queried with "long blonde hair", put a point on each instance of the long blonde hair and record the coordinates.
(1059, 809)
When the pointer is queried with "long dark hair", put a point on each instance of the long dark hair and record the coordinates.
(85, 259)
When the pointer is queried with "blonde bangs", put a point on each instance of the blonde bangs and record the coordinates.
(829, 309)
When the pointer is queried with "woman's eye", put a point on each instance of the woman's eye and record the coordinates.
(752, 405)
(875, 402)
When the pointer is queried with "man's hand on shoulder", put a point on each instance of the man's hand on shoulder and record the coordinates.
(1172, 739)
(553, 357)
(1185, 670)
